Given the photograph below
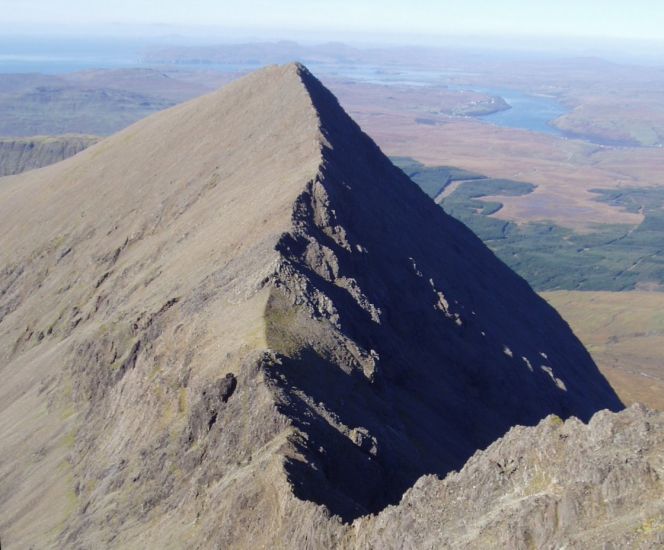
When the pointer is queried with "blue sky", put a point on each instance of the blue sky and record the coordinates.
(640, 19)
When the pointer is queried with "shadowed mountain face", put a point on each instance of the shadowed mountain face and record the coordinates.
(449, 348)
(236, 318)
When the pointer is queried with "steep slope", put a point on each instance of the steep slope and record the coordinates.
(558, 485)
(237, 317)
(20, 154)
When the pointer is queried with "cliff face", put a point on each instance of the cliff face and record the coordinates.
(20, 154)
(237, 319)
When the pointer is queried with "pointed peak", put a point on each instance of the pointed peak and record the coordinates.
(293, 70)
(303, 71)
(299, 67)
(277, 78)
(295, 84)
(294, 67)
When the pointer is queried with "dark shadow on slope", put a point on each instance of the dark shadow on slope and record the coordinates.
(463, 348)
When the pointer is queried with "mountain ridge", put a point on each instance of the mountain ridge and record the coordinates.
(244, 325)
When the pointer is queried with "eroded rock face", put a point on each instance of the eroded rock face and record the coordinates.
(237, 324)
(212, 400)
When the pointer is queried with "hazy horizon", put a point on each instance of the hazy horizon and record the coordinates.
(27, 41)
(607, 19)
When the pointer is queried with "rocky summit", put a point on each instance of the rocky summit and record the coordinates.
(236, 324)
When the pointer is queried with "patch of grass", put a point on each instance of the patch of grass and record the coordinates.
(120, 334)
(128, 345)
(280, 325)
(68, 409)
(182, 400)
(69, 440)
(556, 420)
(651, 526)
(538, 484)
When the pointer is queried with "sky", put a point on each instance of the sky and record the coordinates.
(633, 19)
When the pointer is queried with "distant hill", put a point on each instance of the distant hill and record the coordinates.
(92, 102)
(20, 154)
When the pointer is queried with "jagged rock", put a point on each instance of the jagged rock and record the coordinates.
(207, 410)
(365, 330)
(557, 485)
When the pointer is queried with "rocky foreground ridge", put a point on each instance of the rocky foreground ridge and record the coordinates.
(236, 324)
(556, 485)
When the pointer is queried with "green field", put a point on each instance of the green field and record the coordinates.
(551, 257)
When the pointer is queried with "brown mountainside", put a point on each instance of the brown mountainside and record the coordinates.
(236, 319)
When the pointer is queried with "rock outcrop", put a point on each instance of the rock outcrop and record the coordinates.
(558, 485)
(237, 324)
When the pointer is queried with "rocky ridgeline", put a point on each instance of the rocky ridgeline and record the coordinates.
(556, 485)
